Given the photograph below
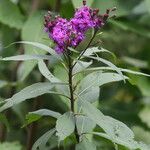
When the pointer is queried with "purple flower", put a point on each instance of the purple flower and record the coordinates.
(70, 33)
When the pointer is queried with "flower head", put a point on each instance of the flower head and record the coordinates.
(71, 32)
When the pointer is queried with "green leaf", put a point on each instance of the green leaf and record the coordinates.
(27, 57)
(109, 64)
(33, 30)
(41, 142)
(115, 130)
(40, 46)
(93, 50)
(46, 112)
(81, 66)
(79, 3)
(29, 92)
(46, 73)
(93, 80)
(65, 125)
(122, 69)
(10, 14)
(84, 124)
(30, 118)
(62, 90)
(85, 145)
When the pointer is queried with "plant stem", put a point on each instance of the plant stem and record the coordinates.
(70, 75)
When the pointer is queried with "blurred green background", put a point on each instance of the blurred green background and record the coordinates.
(128, 36)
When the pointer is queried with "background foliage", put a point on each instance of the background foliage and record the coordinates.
(127, 36)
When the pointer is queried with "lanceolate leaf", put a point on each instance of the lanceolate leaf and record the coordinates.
(65, 125)
(29, 92)
(122, 69)
(27, 57)
(109, 64)
(36, 34)
(97, 79)
(117, 131)
(40, 46)
(41, 142)
(92, 51)
(46, 112)
(36, 115)
(46, 73)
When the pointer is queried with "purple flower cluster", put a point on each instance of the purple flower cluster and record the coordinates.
(69, 33)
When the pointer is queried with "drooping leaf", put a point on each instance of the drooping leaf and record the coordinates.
(33, 31)
(10, 14)
(108, 63)
(40, 46)
(65, 125)
(122, 69)
(30, 118)
(27, 57)
(93, 50)
(36, 115)
(29, 92)
(46, 112)
(115, 130)
(46, 73)
(63, 89)
(41, 142)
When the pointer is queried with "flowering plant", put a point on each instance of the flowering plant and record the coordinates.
(82, 87)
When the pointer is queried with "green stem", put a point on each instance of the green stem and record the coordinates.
(72, 100)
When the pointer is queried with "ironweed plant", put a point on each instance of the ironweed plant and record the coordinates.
(81, 88)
